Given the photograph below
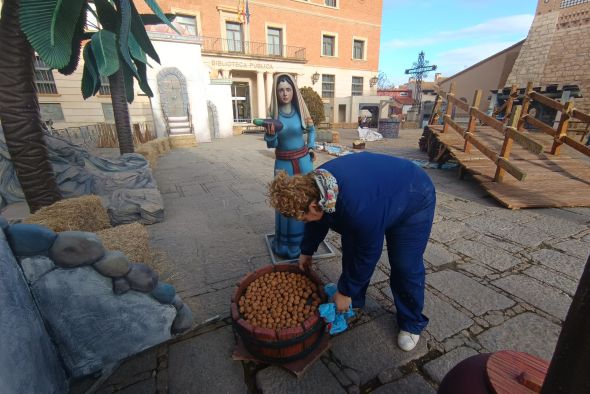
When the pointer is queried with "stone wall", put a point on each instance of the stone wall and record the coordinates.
(556, 50)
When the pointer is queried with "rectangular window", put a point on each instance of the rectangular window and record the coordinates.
(105, 86)
(107, 110)
(328, 82)
(328, 45)
(44, 78)
(235, 38)
(51, 111)
(357, 86)
(358, 51)
(330, 3)
(186, 24)
(275, 41)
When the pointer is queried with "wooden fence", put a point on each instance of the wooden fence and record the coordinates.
(511, 126)
(104, 135)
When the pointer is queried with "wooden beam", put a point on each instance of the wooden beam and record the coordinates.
(500, 161)
(524, 141)
(472, 118)
(435, 110)
(487, 120)
(546, 101)
(576, 145)
(526, 102)
(562, 128)
(449, 109)
(460, 103)
(513, 95)
(454, 126)
(540, 125)
(584, 117)
(507, 144)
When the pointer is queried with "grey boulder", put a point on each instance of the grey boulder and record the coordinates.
(142, 278)
(113, 264)
(76, 248)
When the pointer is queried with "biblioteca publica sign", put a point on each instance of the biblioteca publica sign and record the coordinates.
(240, 65)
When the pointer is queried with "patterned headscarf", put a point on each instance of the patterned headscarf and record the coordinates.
(328, 189)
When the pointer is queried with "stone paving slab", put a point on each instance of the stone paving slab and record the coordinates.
(317, 379)
(438, 368)
(554, 279)
(527, 332)
(574, 247)
(448, 230)
(445, 321)
(466, 292)
(412, 384)
(535, 293)
(372, 347)
(437, 254)
(492, 257)
(204, 363)
(568, 265)
(210, 304)
(497, 242)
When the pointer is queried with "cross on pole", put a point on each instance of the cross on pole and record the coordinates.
(419, 71)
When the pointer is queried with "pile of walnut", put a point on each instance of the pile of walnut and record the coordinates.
(279, 300)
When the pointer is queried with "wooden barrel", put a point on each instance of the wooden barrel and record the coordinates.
(389, 128)
(278, 346)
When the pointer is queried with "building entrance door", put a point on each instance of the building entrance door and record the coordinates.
(241, 102)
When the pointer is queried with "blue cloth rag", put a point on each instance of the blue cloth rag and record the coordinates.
(336, 320)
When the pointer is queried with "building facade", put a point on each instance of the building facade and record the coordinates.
(219, 70)
(329, 45)
(556, 48)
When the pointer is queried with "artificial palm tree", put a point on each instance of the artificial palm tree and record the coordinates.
(55, 30)
(19, 112)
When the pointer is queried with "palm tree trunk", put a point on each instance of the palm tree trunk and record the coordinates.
(19, 112)
(121, 112)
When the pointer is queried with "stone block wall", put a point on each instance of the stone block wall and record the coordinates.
(557, 51)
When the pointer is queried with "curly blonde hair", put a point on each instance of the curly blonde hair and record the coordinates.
(291, 195)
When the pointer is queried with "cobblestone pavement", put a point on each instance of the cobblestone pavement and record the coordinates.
(496, 279)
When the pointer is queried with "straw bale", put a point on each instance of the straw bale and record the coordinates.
(150, 154)
(85, 213)
(131, 239)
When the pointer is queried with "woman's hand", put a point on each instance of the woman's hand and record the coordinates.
(342, 302)
(270, 128)
(305, 262)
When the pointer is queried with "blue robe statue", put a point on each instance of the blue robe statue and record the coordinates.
(292, 156)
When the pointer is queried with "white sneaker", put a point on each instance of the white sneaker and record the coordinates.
(407, 341)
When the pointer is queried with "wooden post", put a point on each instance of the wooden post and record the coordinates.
(507, 145)
(434, 115)
(472, 119)
(564, 121)
(510, 102)
(449, 110)
(526, 102)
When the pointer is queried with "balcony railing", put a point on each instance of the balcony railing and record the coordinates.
(250, 48)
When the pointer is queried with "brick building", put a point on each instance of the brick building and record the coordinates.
(329, 45)
(219, 70)
(557, 48)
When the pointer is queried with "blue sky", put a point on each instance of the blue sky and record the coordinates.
(454, 34)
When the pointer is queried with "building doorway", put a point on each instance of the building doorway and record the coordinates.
(241, 102)
(341, 113)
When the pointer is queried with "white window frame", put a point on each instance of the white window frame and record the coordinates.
(331, 6)
(331, 34)
(196, 14)
(352, 84)
(365, 41)
(334, 86)
(283, 29)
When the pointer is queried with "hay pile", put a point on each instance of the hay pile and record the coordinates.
(84, 213)
(153, 149)
(131, 239)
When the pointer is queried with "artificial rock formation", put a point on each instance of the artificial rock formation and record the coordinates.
(99, 307)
